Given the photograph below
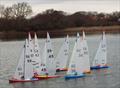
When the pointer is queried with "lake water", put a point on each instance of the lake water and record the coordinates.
(108, 78)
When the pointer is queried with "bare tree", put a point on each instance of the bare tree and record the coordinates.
(7, 13)
(1, 10)
(21, 10)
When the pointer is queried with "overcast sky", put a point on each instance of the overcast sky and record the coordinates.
(69, 6)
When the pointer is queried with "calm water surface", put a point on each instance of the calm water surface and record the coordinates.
(110, 78)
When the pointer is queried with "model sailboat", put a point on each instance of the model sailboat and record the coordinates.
(48, 66)
(100, 60)
(24, 70)
(75, 69)
(62, 56)
(85, 54)
(37, 57)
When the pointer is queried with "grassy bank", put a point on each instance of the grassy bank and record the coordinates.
(13, 35)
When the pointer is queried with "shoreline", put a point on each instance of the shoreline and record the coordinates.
(14, 35)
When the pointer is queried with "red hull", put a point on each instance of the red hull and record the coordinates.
(15, 80)
(47, 77)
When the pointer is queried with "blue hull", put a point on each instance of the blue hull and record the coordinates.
(98, 67)
(74, 76)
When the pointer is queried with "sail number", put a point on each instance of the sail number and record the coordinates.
(49, 50)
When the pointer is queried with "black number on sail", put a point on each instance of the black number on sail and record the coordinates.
(35, 50)
(36, 55)
(29, 61)
(51, 56)
(19, 69)
(84, 48)
(65, 50)
(66, 54)
(86, 52)
(49, 50)
(27, 56)
(48, 41)
(80, 55)
(20, 73)
(32, 55)
(103, 46)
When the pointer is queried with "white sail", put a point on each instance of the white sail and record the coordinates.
(86, 54)
(31, 51)
(28, 67)
(50, 60)
(76, 62)
(62, 56)
(72, 64)
(37, 59)
(101, 55)
(79, 56)
(29, 38)
(19, 73)
(31, 47)
(43, 69)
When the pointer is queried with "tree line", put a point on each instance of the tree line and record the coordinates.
(18, 18)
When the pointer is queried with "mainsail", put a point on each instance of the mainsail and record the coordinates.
(28, 67)
(63, 54)
(37, 59)
(101, 55)
(86, 54)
